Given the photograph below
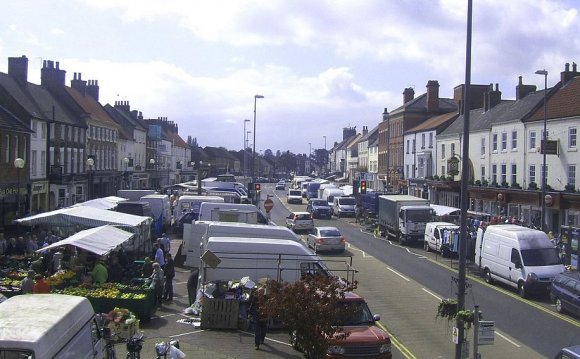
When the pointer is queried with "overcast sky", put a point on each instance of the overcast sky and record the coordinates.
(320, 65)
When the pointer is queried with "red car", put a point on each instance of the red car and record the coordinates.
(366, 339)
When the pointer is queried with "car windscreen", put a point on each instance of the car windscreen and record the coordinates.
(419, 215)
(540, 257)
(329, 233)
(303, 216)
(295, 193)
(320, 203)
(353, 313)
(347, 201)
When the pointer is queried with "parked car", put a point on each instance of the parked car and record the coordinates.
(365, 338)
(572, 352)
(300, 221)
(319, 208)
(281, 185)
(326, 238)
(294, 196)
(565, 292)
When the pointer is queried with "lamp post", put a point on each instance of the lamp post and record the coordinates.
(245, 142)
(325, 155)
(246, 150)
(254, 148)
(90, 163)
(543, 147)
(309, 157)
(199, 175)
(19, 164)
(152, 164)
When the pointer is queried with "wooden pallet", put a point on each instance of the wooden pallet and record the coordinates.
(219, 314)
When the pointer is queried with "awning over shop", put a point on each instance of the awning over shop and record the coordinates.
(101, 203)
(99, 240)
(84, 216)
(444, 210)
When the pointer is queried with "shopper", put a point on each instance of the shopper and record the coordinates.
(169, 271)
(165, 243)
(147, 268)
(259, 320)
(159, 255)
(41, 286)
(27, 285)
(157, 283)
(192, 285)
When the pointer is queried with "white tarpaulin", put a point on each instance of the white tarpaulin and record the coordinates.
(84, 216)
(444, 210)
(101, 203)
(99, 240)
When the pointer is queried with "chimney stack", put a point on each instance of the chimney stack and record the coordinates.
(365, 130)
(78, 84)
(408, 94)
(523, 90)
(494, 96)
(18, 69)
(567, 75)
(385, 114)
(52, 77)
(93, 89)
(432, 96)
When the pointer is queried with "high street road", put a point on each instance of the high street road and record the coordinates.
(405, 285)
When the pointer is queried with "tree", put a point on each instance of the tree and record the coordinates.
(308, 309)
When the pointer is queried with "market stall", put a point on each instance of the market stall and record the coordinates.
(109, 202)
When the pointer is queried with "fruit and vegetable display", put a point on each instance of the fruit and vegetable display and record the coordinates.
(107, 290)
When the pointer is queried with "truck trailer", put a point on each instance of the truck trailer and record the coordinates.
(403, 217)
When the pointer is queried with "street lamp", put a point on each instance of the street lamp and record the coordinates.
(19, 164)
(199, 174)
(325, 155)
(126, 174)
(309, 156)
(90, 163)
(247, 145)
(543, 147)
(152, 165)
(254, 148)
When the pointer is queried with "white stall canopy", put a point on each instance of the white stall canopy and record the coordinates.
(445, 210)
(101, 203)
(99, 240)
(83, 216)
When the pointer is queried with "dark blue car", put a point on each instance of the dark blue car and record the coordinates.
(319, 208)
(565, 292)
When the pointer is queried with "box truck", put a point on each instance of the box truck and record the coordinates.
(134, 194)
(403, 217)
(521, 257)
(160, 209)
(196, 235)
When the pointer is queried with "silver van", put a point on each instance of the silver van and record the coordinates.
(343, 206)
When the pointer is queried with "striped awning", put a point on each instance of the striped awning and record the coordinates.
(83, 216)
(100, 240)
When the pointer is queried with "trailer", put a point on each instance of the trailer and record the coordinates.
(403, 217)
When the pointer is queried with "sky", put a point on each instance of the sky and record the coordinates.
(321, 65)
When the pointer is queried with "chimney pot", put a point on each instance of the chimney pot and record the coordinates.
(57, 65)
(567, 67)
(574, 67)
(520, 80)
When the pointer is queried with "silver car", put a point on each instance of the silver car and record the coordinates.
(326, 239)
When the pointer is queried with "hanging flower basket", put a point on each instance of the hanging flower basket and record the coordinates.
(447, 308)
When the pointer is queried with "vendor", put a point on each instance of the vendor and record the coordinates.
(28, 283)
(100, 273)
(147, 268)
(41, 286)
(116, 271)
(38, 265)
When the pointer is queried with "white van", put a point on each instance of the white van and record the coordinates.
(521, 257)
(190, 203)
(195, 238)
(232, 212)
(46, 326)
(160, 208)
(329, 193)
(258, 258)
(442, 237)
(343, 206)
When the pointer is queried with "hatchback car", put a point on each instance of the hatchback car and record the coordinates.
(300, 221)
(326, 239)
(294, 196)
(319, 208)
(281, 185)
(565, 292)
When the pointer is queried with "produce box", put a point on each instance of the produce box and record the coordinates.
(124, 331)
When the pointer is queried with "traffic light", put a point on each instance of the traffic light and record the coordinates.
(257, 187)
(363, 187)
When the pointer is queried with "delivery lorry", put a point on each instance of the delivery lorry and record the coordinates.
(46, 326)
(192, 203)
(160, 209)
(258, 258)
(196, 235)
(134, 194)
(232, 212)
(403, 217)
(521, 257)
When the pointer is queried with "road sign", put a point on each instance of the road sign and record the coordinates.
(268, 205)
(455, 335)
(486, 332)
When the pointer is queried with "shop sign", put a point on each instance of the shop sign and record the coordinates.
(10, 191)
(550, 147)
(39, 187)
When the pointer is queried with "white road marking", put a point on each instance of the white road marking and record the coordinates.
(432, 294)
(507, 339)
(183, 334)
(399, 274)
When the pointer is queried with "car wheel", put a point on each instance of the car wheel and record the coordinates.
(559, 307)
(488, 278)
(522, 290)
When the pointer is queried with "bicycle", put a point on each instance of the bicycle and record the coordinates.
(134, 346)
(169, 348)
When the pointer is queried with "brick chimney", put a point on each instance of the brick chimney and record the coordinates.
(432, 96)
(385, 114)
(78, 84)
(93, 89)
(51, 76)
(123, 105)
(365, 130)
(567, 75)
(523, 90)
(491, 98)
(348, 132)
(18, 69)
(408, 94)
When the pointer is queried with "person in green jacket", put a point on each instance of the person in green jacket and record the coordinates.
(100, 273)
